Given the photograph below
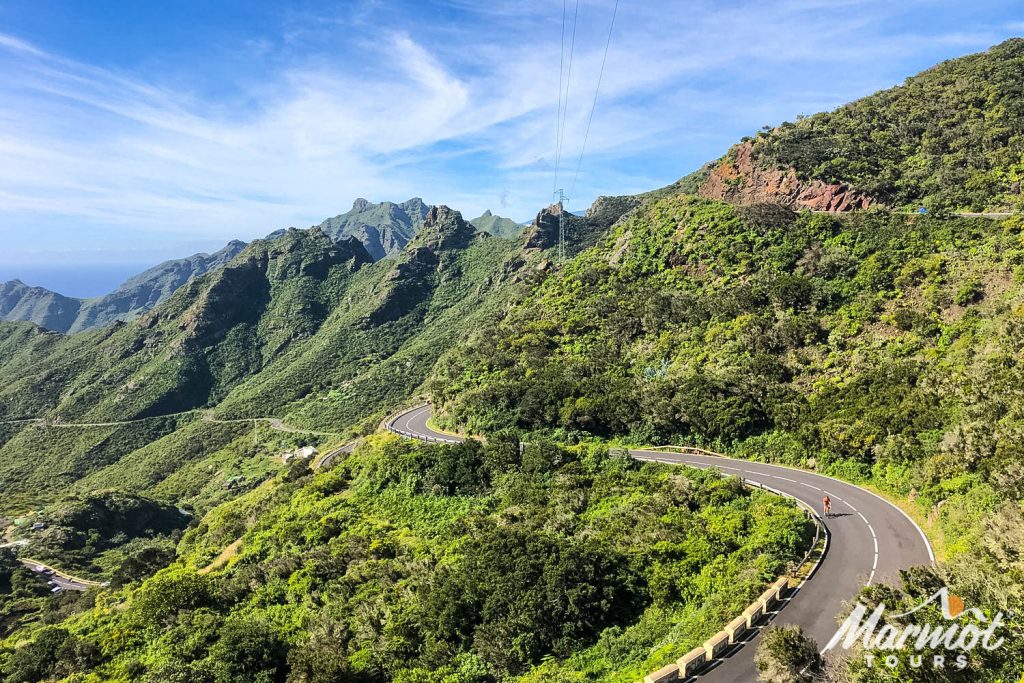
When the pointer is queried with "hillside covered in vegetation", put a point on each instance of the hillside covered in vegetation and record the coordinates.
(419, 563)
(876, 347)
(299, 327)
(871, 345)
(138, 294)
(950, 138)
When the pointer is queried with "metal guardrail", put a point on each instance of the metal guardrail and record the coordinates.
(389, 425)
(422, 437)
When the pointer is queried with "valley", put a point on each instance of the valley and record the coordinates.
(785, 316)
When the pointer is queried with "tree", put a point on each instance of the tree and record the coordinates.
(249, 651)
(786, 655)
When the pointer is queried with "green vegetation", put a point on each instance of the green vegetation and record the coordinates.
(129, 535)
(466, 563)
(25, 599)
(948, 138)
(298, 327)
(498, 226)
(786, 655)
(137, 295)
(384, 229)
(877, 347)
(883, 348)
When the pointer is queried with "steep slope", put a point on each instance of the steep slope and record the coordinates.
(138, 294)
(298, 327)
(398, 316)
(877, 347)
(211, 333)
(497, 225)
(147, 289)
(39, 305)
(384, 229)
(951, 137)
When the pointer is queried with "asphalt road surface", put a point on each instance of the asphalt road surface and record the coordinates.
(871, 540)
(57, 578)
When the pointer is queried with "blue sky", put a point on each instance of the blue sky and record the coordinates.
(131, 132)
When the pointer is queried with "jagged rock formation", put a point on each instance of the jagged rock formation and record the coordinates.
(739, 179)
(581, 232)
(444, 228)
(384, 229)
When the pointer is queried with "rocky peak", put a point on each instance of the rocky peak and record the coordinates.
(361, 204)
(543, 233)
(414, 207)
(443, 228)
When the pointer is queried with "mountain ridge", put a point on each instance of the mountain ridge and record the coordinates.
(867, 345)
(384, 229)
(139, 293)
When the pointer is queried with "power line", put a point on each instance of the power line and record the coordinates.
(568, 82)
(593, 106)
(558, 114)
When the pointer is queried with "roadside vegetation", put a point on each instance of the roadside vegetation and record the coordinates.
(467, 563)
(882, 348)
(879, 348)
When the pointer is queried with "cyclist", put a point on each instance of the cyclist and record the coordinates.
(826, 503)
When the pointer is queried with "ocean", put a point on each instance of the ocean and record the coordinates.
(82, 280)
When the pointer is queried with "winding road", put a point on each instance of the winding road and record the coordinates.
(871, 540)
(57, 578)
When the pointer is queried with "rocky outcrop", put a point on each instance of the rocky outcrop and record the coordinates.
(543, 232)
(581, 232)
(416, 271)
(443, 228)
(739, 179)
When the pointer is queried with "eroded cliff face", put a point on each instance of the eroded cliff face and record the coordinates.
(581, 231)
(738, 179)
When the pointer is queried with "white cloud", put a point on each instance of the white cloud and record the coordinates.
(461, 113)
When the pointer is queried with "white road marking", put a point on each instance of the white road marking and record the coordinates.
(747, 472)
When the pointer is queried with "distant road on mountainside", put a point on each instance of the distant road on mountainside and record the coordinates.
(58, 578)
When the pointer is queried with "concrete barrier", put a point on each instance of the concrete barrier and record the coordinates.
(666, 674)
(692, 662)
(768, 600)
(695, 660)
(780, 587)
(753, 613)
(716, 645)
(736, 628)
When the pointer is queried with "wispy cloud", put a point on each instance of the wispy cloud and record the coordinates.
(459, 109)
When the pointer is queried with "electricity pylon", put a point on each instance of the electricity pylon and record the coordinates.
(562, 199)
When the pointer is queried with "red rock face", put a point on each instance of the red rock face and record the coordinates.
(744, 182)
